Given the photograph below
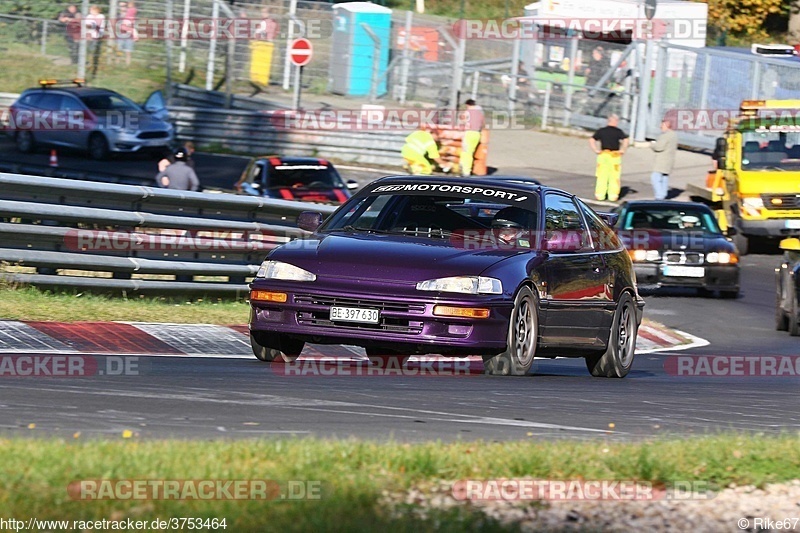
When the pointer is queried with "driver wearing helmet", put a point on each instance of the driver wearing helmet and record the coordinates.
(511, 225)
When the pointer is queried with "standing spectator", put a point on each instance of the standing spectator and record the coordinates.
(598, 65)
(95, 26)
(266, 28)
(178, 175)
(473, 123)
(72, 30)
(127, 29)
(613, 143)
(665, 147)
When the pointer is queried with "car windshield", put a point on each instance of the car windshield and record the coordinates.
(430, 216)
(770, 151)
(671, 219)
(109, 102)
(311, 176)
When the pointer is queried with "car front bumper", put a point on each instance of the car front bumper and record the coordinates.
(126, 142)
(772, 227)
(405, 324)
(716, 277)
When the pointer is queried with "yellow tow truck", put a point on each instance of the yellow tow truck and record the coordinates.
(756, 185)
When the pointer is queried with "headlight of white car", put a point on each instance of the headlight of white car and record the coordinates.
(463, 284)
(284, 271)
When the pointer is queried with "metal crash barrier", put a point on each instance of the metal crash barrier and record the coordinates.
(64, 233)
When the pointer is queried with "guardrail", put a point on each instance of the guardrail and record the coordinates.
(255, 132)
(142, 239)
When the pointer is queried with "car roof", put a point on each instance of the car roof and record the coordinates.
(77, 91)
(479, 181)
(663, 204)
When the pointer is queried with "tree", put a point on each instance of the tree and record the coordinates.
(745, 18)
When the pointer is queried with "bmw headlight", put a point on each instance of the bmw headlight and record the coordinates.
(284, 271)
(723, 258)
(644, 255)
(463, 284)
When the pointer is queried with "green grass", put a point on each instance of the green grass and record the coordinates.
(353, 475)
(28, 303)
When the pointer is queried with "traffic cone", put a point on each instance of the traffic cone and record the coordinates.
(53, 158)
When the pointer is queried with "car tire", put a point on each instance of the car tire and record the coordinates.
(98, 147)
(794, 318)
(781, 320)
(617, 360)
(263, 344)
(523, 332)
(25, 141)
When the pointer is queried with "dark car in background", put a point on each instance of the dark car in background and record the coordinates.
(678, 244)
(408, 266)
(787, 312)
(305, 179)
(98, 121)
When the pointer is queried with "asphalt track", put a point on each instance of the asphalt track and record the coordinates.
(236, 398)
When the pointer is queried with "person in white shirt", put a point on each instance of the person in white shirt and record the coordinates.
(94, 25)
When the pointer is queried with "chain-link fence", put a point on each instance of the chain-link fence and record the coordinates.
(703, 88)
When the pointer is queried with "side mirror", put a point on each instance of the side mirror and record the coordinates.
(352, 184)
(731, 231)
(790, 245)
(563, 241)
(309, 220)
(609, 218)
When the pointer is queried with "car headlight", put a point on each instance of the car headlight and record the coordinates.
(284, 271)
(723, 258)
(463, 284)
(645, 255)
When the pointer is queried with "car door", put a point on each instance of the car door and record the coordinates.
(575, 275)
(48, 105)
(609, 249)
(78, 123)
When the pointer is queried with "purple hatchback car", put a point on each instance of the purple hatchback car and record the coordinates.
(416, 265)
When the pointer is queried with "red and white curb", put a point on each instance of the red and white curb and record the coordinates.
(202, 340)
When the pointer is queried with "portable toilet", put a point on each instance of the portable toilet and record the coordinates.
(353, 49)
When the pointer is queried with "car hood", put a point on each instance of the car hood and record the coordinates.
(389, 258)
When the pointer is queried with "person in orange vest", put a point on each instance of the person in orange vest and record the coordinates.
(613, 143)
(473, 120)
(418, 151)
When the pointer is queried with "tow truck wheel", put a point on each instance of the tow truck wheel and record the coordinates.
(742, 243)
(794, 319)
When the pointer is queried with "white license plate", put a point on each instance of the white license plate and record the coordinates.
(684, 271)
(354, 314)
(793, 224)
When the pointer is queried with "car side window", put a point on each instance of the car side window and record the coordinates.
(561, 215)
(31, 99)
(50, 101)
(70, 103)
(603, 237)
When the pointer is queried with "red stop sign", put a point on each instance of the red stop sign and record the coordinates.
(300, 51)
